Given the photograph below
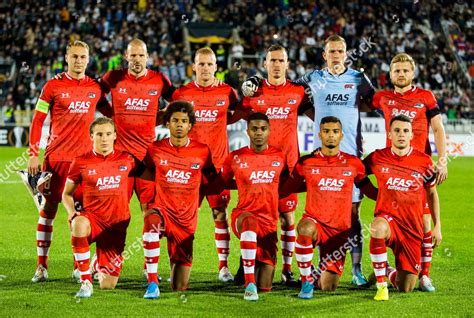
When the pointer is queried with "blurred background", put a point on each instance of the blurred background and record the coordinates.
(438, 34)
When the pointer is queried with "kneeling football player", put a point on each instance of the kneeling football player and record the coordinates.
(403, 174)
(179, 165)
(329, 176)
(257, 169)
(103, 173)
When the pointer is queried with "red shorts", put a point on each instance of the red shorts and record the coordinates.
(110, 243)
(333, 245)
(180, 242)
(53, 190)
(218, 200)
(288, 204)
(267, 241)
(406, 248)
(145, 189)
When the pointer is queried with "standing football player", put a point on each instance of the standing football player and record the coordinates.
(403, 174)
(342, 92)
(421, 107)
(213, 105)
(71, 102)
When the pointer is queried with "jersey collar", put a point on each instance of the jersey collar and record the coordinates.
(267, 83)
(70, 78)
(204, 88)
(98, 155)
(173, 146)
(139, 78)
(397, 156)
(408, 92)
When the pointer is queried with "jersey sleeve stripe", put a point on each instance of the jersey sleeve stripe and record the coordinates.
(42, 106)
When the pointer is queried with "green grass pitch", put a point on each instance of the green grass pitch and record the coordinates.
(452, 269)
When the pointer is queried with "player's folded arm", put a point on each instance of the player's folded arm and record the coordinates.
(291, 184)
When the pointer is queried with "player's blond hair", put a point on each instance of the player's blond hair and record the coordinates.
(77, 43)
(403, 57)
(334, 38)
(204, 51)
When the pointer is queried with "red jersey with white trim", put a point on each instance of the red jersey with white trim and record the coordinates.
(329, 183)
(72, 104)
(418, 104)
(280, 103)
(257, 176)
(401, 181)
(211, 104)
(135, 103)
(104, 180)
(178, 177)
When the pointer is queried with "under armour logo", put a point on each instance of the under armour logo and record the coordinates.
(385, 170)
(122, 90)
(391, 102)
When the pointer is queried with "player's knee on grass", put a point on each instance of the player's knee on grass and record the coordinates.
(307, 228)
(379, 228)
(264, 276)
(287, 218)
(219, 214)
(80, 226)
(329, 281)
(180, 277)
(406, 281)
(426, 223)
(107, 281)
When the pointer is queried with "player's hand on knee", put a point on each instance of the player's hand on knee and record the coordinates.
(437, 237)
(58, 76)
(33, 165)
(71, 216)
(250, 86)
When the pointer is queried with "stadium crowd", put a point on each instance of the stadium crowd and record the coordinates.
(35, 35)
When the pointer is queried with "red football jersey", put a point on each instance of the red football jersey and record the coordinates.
(257, 176)
(418, 104)
(104, 180)
(280, 103)
(329, 183)
(72, 105)
(401, 182)
(178, 177)
(135, 103)
(210, 108)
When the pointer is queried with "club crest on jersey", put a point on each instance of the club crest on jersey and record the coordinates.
(244, 165)
(347, 173)
(220, 103)
(349, 86)
(65, 95)
(122, 90)
(153, 92)
(419, 105)
(195, 166)
(416, 174)
(291, 101)
(91, 95)
(275, 163)
(123, 168)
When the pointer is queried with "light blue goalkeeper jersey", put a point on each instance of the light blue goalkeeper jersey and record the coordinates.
(339, 96)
